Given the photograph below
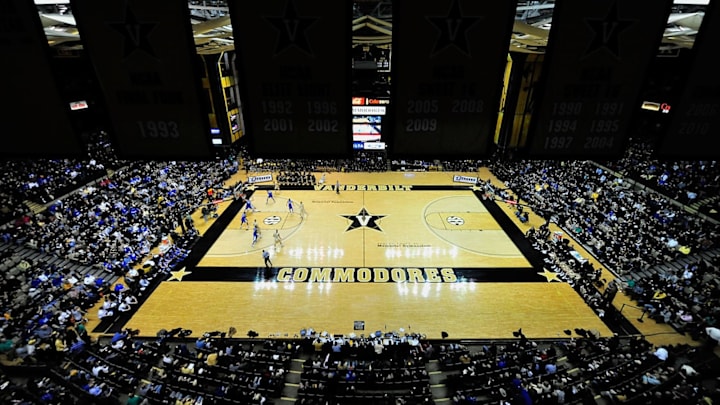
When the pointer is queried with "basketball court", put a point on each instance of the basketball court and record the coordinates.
(395, 252)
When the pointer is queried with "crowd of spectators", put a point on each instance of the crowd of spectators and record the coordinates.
(45, 302)
(127, 369)
(579, 273)
(633, 231)
(118, 221)
(62, 261)
(624, 228)
(683, 181)
(296, 178)
(290, 165)
(685, 297)
(41, 181)
(465, 165)
(301, 172)
(381, 369)
(577, 371)
(365, 161)
(44, 308)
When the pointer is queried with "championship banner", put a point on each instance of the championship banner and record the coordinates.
(144, 56)
(35, 119)
(449, 57)
(598, 54)
(696, 117)
(295, 69)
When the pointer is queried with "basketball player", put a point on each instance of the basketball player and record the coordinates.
(278, 239)
(290, 205)
(249, 206)
(301, 209)
(256, 235)
(244, 221)
(269, 197)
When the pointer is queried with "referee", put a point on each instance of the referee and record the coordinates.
(266, 258)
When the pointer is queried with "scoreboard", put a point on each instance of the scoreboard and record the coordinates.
(594, 70)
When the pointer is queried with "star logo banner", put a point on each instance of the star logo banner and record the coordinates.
(143, 54)
(449, 57)
(295, 72)
(595, 65)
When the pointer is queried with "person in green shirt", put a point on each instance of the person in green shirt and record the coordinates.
(135, 399)
(81, 330)
(6, 345)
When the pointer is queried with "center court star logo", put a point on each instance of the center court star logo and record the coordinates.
(452, 29)
(363, 220)
(135, 33)
(292, 29)
(606, 32)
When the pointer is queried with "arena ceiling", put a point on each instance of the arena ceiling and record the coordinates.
(372, 25)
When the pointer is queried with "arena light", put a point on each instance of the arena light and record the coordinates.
(78, 105)
(650, 106)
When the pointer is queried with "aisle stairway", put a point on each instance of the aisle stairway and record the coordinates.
(292, 380)
(707, 206)
(34, 207)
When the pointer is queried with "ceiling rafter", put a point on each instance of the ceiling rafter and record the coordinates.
(212, 27)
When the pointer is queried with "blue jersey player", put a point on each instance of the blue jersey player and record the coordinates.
(244, 220)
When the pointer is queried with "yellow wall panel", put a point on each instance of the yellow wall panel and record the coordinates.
(503, 98)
